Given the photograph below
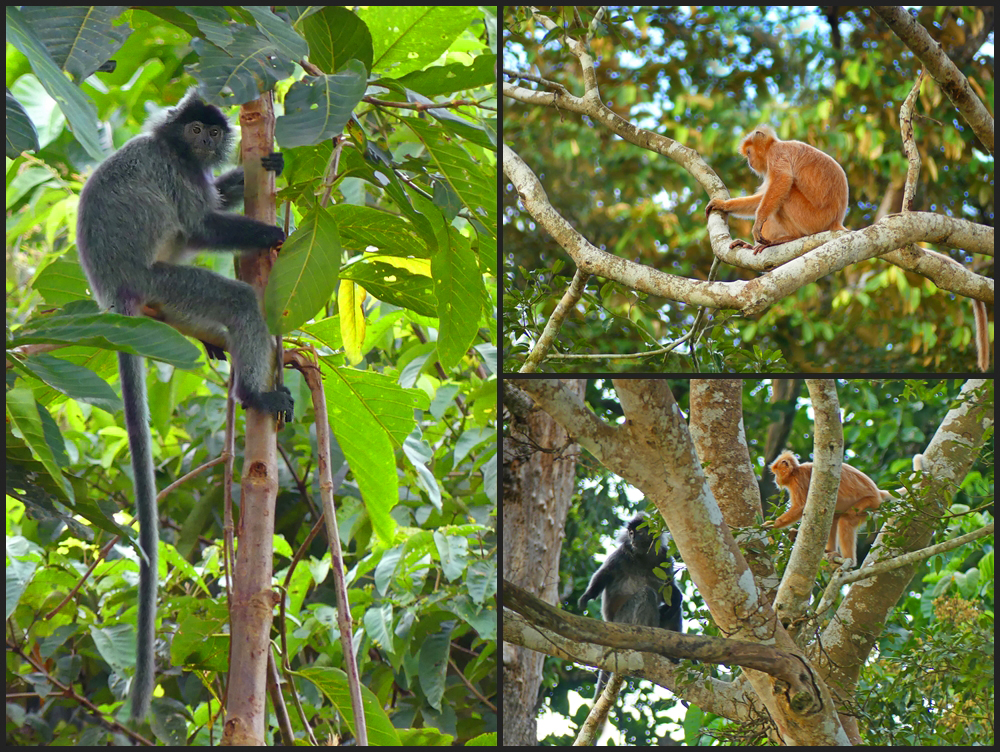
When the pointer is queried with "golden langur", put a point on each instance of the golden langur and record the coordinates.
(804, 191)
(855, 496)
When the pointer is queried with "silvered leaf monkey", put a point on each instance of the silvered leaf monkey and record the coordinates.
(142, 211)
(631, 590)
(856, 494)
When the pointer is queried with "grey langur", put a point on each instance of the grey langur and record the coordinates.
(632, 593)
(141, 212)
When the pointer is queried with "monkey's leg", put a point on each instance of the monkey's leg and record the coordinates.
(775, 231)
(200, 300)
(848, 536)
(642, 608)
(670, 613)
(831, 542)
(797, 218)
(214, 339)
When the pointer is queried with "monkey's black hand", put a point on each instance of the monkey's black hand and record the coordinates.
(230, 187)
(274, 162)
(272, 236)
(279, 403)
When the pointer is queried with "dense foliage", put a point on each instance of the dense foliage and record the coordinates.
(386, 283)
(704, 76)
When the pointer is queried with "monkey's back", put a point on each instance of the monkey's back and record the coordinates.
(635, 575)
(139, 206)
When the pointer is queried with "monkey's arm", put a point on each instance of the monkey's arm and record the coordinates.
(793, 515)
(670, 611)
(601, 579)
(221, 231)
(230, 188)
(274, 162)
(776, 190)
(230, 184)
(796, 480)
(745, 206)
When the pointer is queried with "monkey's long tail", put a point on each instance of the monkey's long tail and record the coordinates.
(982, 335)
(132, 371)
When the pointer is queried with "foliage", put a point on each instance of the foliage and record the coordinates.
(408, 358)
(833, 77)
(929, 679)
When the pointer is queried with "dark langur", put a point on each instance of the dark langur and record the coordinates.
(631, 591)
(670, 609)
(230, 187)
(141, 213)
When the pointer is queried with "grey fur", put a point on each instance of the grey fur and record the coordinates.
(148, 207)
(141, 213)
(631, 592)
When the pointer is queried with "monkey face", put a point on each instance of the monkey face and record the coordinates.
(755, 147)
(755, 157)
(639, 535)
(205, 140)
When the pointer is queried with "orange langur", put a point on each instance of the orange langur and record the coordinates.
(857, 494)
(804, 191)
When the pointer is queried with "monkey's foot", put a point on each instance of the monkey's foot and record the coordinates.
(761, 246)
(279, 403)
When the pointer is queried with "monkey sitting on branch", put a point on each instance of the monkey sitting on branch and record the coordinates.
(804, 191)
(632, 592)
(855, 496)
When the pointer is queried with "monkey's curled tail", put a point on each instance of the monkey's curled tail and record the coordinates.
(132, 372)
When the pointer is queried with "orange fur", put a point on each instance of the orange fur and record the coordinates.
(804, 191)
(982, 334)
(981, 322)
(857, 494)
